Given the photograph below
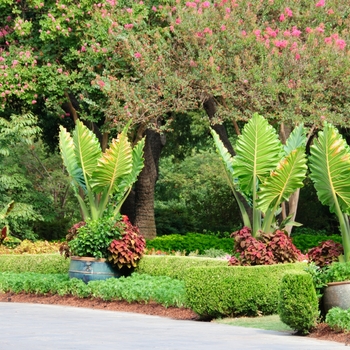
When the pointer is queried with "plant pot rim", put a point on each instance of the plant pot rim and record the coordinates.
(87, 258)
(330, 284)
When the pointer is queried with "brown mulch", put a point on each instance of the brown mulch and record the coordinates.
(322, 331)
(151, 308)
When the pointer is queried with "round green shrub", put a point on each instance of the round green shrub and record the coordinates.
(298, 303)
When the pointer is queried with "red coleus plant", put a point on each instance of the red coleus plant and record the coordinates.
(268, 249)
(128, 250)
(325, 253)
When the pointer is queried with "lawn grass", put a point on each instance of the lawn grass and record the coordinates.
(270, 323)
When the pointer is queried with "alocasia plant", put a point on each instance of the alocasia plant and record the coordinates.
(329, 165)
(104, 179)
(264, 171)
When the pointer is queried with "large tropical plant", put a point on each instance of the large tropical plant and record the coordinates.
(264, 171)
(330, 169)
(101, 181)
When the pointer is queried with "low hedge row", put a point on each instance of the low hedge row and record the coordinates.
(304, 242)
(235, 290)
(174, 266)
(37, 263)
(139, 288)
(190, 242)
(171, 266)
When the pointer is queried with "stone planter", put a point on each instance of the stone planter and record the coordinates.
(337, 294)
(90, 269)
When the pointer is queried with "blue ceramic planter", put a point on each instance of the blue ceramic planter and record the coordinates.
(90, 269)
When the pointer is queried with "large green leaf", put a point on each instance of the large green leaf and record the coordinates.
(296, 139)
(113, 166)
(125, 185)
(228, 166)
(330, 169)
(87, 149)
(283, 181)
(70, 161)
(258, 151)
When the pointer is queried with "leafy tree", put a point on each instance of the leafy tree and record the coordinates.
(192, 196)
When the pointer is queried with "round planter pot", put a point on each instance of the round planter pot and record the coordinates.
(337, 294)
(90, 269)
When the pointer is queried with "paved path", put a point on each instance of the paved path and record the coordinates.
(46, 327)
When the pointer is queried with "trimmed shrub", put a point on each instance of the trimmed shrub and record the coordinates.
(304, 242)
(190, 243)
(235, 290)
(298, 303)
(173, 266)
(38, 263)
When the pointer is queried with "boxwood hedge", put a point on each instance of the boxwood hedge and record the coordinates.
(38, 263)
(174, 266)
(218, 291)
(190, 242)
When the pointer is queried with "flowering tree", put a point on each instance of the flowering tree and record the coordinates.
(109, 62)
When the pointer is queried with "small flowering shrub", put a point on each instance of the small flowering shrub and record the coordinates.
(325, 253)
(267, 249)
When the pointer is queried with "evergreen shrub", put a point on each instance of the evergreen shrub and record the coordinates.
(304, 242)
(174, 266)
(298, 303)
(190, 242)
(38, 263)
(338, 319)
(235, 290)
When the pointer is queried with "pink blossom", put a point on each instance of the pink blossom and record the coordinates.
(321, 3)
(83, 49)
(59, 70)
(223, 27)
(178, 20)
(137, 55)
(320, 29)
(297, 56)
(33, 102)
(227, 10)
(296, 32)
(330, 12)
(243, 32)
(287, 33)
(308, 30)
(282, 17)
(281, 43)
(288, 12)
(171, 28)
(208, 31)
(193, 63)
(191, 4)
(101, 83)
(129, 10)
(205, 4)
(328, 40)
(271, 32)
(154, 8)
(128, 26)
(340, 43)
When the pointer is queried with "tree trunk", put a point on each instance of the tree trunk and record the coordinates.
(210, 108)
(139, 206)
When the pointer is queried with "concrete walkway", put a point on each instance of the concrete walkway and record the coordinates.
(46, 327)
